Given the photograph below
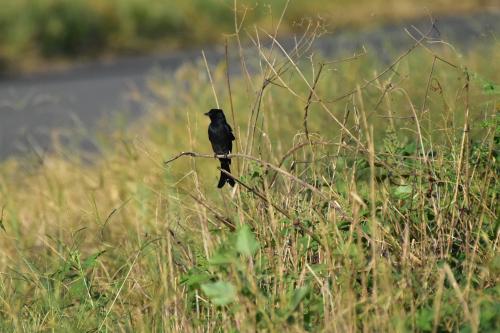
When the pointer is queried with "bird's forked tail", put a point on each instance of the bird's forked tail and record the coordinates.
(224, 178)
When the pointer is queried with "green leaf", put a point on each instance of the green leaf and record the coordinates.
(195, 279)
(92, 260)
(489, 88)
(78, 289)
(220, 292)
(223, 258)
(246, 244)
(424, 319)
(409, 149)
(403, 191)
(297, 297)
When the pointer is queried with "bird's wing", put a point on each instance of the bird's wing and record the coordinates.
(210, 133)
(214, 139)
(228, 137)
(230, 132)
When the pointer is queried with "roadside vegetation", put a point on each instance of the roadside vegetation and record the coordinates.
(38, 33)
(367, 200)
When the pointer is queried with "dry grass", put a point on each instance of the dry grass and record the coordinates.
(383, 218)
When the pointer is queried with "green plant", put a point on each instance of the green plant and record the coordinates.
(378, 213)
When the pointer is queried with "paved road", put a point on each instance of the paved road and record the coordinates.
(33, 107)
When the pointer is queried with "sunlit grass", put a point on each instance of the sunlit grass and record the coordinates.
(399, 232)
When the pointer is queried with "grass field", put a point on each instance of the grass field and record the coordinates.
(40, 33)
(376, 212)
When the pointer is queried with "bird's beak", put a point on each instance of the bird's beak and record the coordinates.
(206, 114)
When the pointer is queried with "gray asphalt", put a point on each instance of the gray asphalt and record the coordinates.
(74, 101)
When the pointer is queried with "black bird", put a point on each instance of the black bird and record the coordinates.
(221, 137)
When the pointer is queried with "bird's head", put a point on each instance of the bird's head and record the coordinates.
(215, 114)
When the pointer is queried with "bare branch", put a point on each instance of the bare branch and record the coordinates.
(267, 165)
(255, 159)
(257, 193)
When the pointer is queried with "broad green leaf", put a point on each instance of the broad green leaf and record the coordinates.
(246, 244)
(297, 297)
(424, 319)
(220, 292)
(403, 191)
(409, 149)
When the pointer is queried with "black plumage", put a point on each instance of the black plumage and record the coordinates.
(221, 137)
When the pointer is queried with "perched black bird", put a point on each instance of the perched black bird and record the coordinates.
(221, 137)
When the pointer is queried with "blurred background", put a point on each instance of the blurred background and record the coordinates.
(35, 33)
(64, 64)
